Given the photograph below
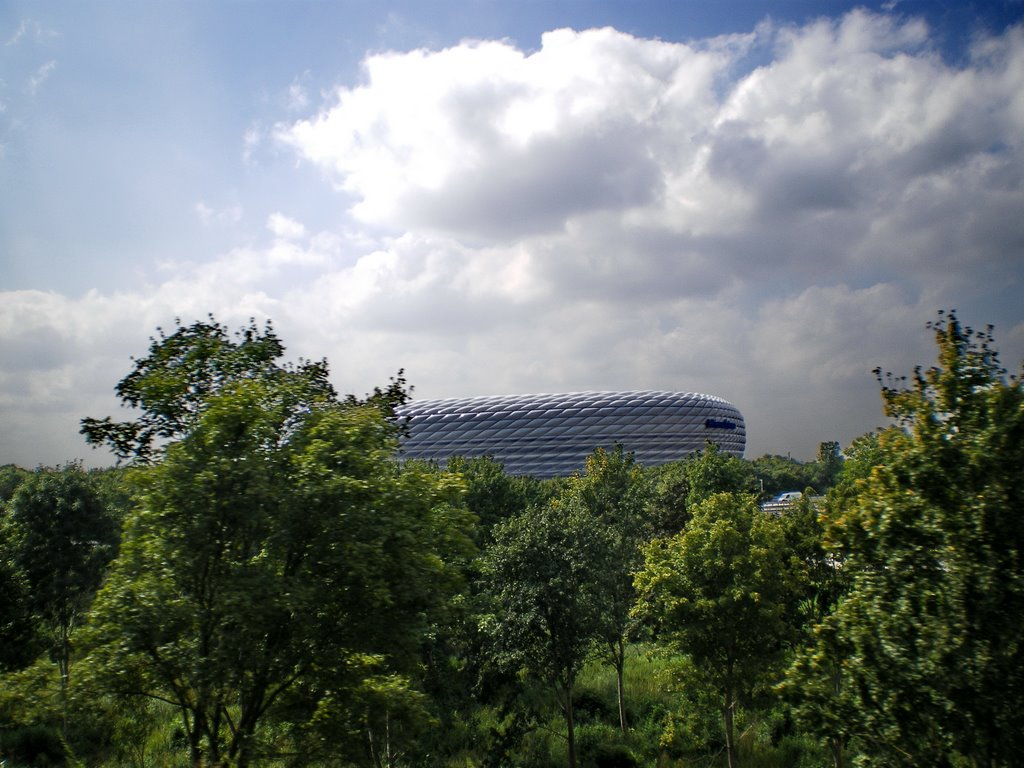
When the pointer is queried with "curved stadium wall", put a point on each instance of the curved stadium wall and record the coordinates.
(551, 435)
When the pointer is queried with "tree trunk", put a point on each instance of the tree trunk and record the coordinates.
(194, 741)
(620, 665)
(374, 757)
(727, 715)
(570, 724)
(64, 668)
(835, 746)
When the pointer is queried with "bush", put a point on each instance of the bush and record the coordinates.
(600, 746)
(33, 745)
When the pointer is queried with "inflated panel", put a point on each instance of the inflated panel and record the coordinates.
(551, 435)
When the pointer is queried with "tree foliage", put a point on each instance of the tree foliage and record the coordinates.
(491, 494)
(10, 478)
(59, 538)
(612, 488)
(675, 488)
(172, 385)
(724, 591)
(18, 638)
(280, 565)
(932, 541)
(544, 571)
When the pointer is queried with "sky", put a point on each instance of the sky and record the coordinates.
(758, 200)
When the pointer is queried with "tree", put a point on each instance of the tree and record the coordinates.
(61, 538)
(827, 467)
(933, 543)
(778, 474)
(173, 384)
(814, 680)
(612, 489)
(678, 486)
(16, 628)
(18, 639)
(724, 591)
(861, 457)
(490, 493)
(10, 478)
(714, 471)
(280, 566)
(543, 571)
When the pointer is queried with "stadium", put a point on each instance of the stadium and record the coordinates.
(551, 435)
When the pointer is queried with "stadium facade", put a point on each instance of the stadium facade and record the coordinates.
(551, 435)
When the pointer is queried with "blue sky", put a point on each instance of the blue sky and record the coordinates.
(759, 200)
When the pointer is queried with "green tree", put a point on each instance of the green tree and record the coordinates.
(17, 631)
(277, 551)
(778, 474)
(59, 535)
(173, 383)
(714, 471)
(543, 571)
(612, 488)
(724, 591)
(676, 487)
(933, 543)
(827, 467)
(18, 637)
(279, 567)
(491, 494)
(861, 457)
(813, 683)
(10, 478)
(60, 539)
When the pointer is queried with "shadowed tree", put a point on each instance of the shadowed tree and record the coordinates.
(544, 573)
(724, 591)
(931, 539)
(612, 487)
(59, 535)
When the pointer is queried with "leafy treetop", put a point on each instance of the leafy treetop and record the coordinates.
(173, 384)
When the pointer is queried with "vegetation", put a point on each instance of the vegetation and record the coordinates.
(724, 592)
(924, 659)
(262, 582)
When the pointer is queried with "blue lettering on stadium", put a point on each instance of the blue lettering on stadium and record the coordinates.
(715, 424)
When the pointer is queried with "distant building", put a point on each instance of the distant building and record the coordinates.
(551, 435)
(783, 502)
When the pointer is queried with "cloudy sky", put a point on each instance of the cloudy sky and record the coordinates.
(758, 200)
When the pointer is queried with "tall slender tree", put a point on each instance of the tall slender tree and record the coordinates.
(61, 538)
(612, 488)
(724, 591)
(543, 571)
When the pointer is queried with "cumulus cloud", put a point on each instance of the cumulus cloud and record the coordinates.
(285, 227)
(628, 165)
(614, 212)
(485, 140)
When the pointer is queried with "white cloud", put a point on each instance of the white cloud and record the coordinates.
(30, 28)
(483, 139)
(40, 76)
(298, 93)
(285, 228)
(219, 216)
(611, 212)
(251, 141)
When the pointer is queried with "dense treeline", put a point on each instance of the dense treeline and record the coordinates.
(262, 582)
